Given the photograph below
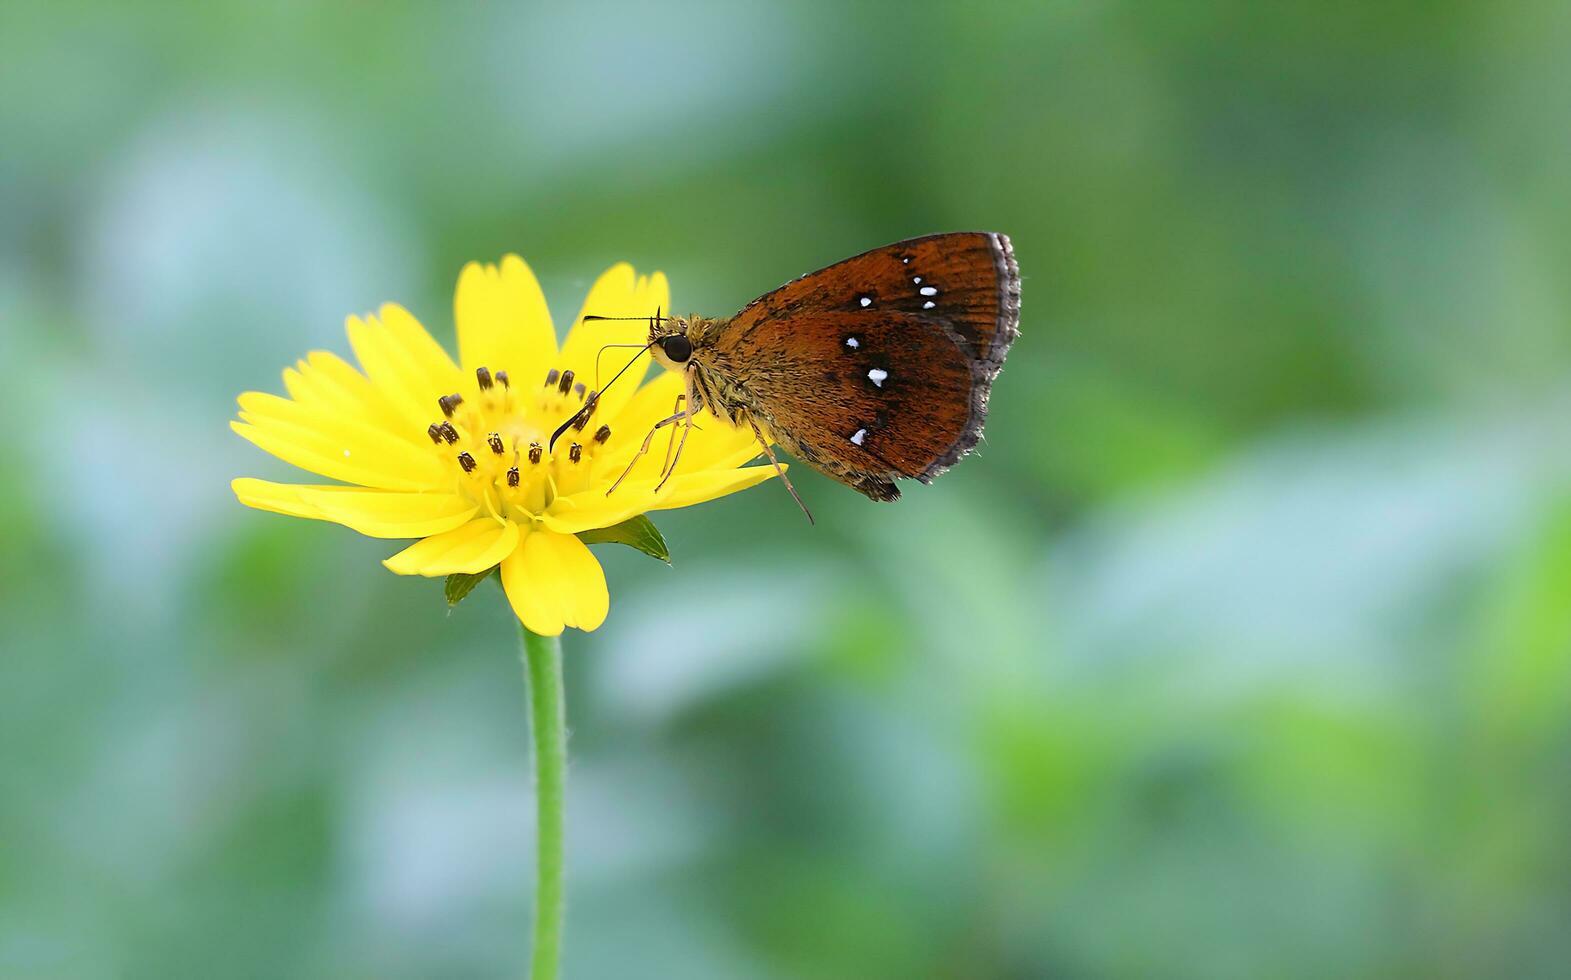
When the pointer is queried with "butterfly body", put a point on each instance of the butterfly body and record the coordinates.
(874, 369)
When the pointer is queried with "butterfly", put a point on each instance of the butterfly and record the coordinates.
(874, 369)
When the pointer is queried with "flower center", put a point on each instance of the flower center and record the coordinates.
(499, 444)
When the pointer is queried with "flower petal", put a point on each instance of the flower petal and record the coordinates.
(472, 547)
(349, 437)
(327, 383)
(553, 582)
(649, 404)
(318, 453)
(375, 513)
(389, 514)
(277, 498)
(430, 360)
(617, 293)
(593, 508)
(503, 323)
(402, 365)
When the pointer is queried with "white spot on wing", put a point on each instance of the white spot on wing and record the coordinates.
(928, 290)
(858, 436)
(906, 260)
(877, 376)
(866, 301)
(929, 305)
(917, 280)
(853, 343)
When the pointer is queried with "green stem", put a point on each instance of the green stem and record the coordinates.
(543, 662)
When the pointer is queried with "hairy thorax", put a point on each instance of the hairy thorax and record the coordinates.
(720, 383)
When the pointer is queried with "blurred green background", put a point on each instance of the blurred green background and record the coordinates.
(1242, 648)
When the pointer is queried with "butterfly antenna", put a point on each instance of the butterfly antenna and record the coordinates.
(600, 355)
(594, 399)
(646, 319)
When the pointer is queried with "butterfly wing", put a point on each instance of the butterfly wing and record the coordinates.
(879, 367)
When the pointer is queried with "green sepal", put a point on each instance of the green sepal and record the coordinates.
(635, 532)
(460, 584)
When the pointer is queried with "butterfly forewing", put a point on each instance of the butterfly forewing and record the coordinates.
(966, 279)
(879, 367)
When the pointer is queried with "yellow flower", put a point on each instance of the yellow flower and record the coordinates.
(460, 457)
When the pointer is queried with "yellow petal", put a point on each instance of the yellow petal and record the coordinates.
(726, 450)
(389, 514)
(649, 404)
(401, 366)
(277, 498)
(503, 322)
(431, 362)
(553, 582)
(327, 384)
(593, 508)
(375, 513)
(309, 388)
(472, 547)
(313, 450)
(363, 438)
(617, 293)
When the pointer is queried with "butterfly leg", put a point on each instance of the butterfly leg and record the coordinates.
(670, 442)
(648, 440)
(780, 470)
(686, 426)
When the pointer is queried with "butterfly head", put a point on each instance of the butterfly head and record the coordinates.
(669, 343)
(673, 339)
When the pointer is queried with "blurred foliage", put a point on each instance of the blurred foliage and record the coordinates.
(1242, 648)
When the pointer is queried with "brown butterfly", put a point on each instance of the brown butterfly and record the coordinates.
(874, 369)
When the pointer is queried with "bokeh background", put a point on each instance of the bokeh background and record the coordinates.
(1243, 647)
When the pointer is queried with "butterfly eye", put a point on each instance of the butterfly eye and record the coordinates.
(677, 347)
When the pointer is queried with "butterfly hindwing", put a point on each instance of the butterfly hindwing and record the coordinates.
(886, 396)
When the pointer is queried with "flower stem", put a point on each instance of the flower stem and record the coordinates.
(543, 663)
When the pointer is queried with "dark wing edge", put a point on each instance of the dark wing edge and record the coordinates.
(984, 371)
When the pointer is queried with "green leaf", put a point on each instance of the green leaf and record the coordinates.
(635, 532)
(461, 584)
